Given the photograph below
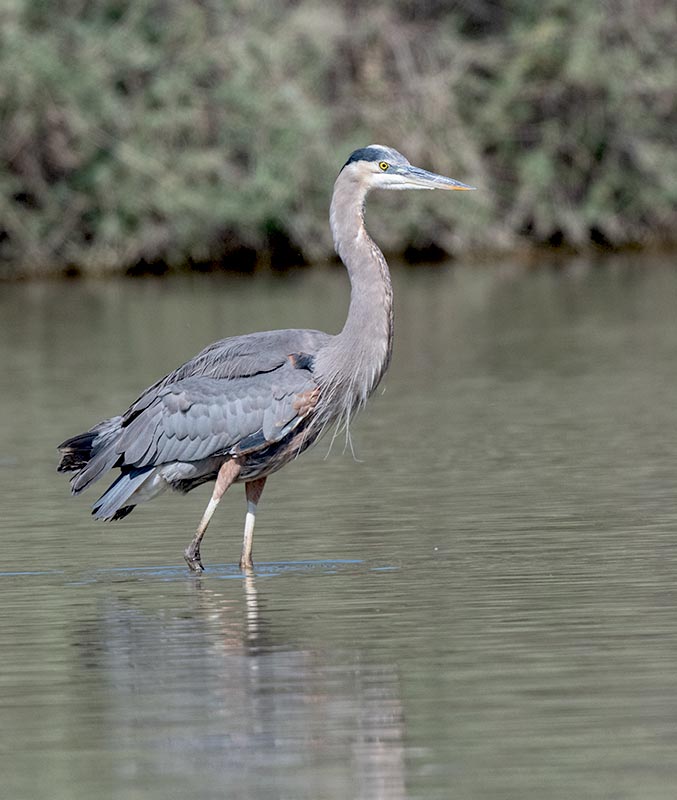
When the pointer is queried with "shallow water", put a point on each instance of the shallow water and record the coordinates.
(483, 605)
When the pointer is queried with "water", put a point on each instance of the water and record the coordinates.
(482, 606)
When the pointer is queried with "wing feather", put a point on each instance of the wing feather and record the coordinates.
(237, 357)
(199, 417)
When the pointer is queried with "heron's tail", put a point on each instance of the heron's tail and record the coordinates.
(76, 452)
(90, 454)
(115, 503)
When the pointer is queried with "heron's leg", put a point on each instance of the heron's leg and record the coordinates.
(227, 474)
(253, 491)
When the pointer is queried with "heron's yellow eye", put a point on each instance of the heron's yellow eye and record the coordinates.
(384, 165)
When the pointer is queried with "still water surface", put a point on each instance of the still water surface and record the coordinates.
(484, 605)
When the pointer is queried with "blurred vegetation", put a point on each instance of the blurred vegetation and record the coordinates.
(159, 133)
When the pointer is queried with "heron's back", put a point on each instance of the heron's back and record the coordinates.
(242, 395)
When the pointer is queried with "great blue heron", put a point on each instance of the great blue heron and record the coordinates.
(245, 406)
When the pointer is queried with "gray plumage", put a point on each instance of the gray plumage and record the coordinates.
(246, 405)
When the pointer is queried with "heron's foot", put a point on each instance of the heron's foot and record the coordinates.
(246, 563)
(192, 556)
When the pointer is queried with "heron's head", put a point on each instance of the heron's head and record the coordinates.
(379, 167)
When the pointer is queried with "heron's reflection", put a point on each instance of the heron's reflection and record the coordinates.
(216, 680)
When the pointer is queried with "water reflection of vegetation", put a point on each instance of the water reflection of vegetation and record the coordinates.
(162, 132)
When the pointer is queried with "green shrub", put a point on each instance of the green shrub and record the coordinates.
(173, 132)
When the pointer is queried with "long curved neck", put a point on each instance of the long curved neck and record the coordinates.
(359, 355)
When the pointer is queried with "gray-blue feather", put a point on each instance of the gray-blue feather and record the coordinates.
(115, 498)
(200, 417)
(236, 395)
